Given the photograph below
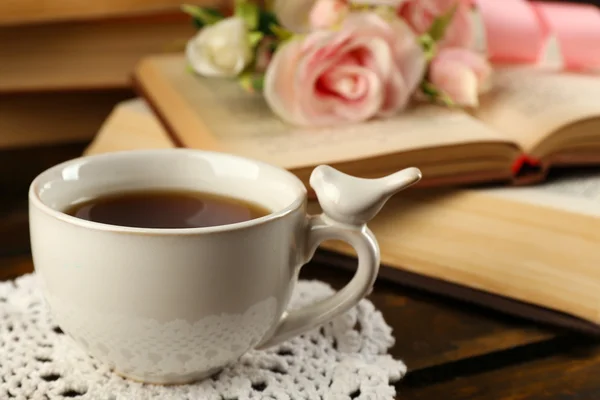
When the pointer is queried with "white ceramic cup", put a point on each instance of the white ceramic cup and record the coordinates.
(171, 306)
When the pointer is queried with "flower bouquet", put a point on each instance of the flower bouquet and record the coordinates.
(345, 61)
(330, 62)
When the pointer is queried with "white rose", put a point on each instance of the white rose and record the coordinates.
(221, 49)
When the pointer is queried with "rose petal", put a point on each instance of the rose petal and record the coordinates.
(326, 13)
(409, 59)
(354, 108)
(409, 56)
(220, 49)
(472, 60)
(456, 80)
(279, 91)
(199, 61)
(420, 14)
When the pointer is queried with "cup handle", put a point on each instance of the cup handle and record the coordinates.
(348, 203)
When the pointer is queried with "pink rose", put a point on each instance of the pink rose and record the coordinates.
(420, 14)
(369, 67)
(327, 13)
(460, 73)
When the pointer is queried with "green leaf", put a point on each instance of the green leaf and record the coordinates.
(245, 82)
(251, 82)
(437, 30)
(281, 33)
(202, 16)
(265, 20)
(189, 69)
(431, 91)
(249, 12)
(258, 83)
(360, 7)
(428, 45)
(254, 38)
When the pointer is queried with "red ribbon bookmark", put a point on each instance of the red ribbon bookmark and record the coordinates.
(524, 162)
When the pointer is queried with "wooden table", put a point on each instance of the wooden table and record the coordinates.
(453, 350)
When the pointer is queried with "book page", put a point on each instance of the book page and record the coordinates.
(418, 129)
(527, 104)
(575, 192)
(130, 126)
(586, 187)
(245, 125)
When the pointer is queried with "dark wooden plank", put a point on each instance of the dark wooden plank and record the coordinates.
(14, 266)
(564, 368)
(432, 331)
(14, 225)
(18, 167)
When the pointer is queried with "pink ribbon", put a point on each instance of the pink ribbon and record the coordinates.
(517, 31)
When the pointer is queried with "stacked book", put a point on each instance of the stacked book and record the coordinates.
(65, 64)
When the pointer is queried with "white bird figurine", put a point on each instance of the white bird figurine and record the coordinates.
(355, 201)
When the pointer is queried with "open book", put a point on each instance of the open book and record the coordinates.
(530, 251)
(531, 121)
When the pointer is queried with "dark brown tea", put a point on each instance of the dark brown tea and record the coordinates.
(166, 209)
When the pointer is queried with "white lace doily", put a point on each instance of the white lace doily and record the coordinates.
(345, 359)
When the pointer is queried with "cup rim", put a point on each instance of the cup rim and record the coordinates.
(37, 202)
